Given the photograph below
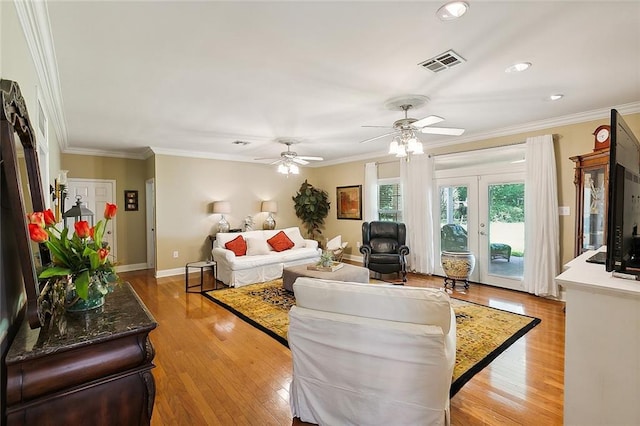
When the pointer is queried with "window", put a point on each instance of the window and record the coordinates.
(389, 200)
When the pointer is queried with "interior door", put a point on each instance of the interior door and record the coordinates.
(500, 258)
(94, 194)
(151, 223)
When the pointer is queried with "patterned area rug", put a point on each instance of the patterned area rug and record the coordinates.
(482, 333)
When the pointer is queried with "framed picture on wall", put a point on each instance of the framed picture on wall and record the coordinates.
(349, 200)
(130, 200)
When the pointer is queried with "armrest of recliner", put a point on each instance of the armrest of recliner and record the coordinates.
(403, 250)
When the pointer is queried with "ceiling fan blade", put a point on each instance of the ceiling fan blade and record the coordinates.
(300, 161)
(427, 121)
(265, 158)
(279, 160)
(304, 157)
(442, 131)
(378, 137)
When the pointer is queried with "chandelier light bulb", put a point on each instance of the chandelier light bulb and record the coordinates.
(412, 144)
(419, 149)
(294, 169)
(393, 147)
(283, 169)
(402, 152)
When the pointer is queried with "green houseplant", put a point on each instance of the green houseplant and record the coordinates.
(312, 207)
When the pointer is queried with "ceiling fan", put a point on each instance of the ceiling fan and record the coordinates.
(288, 159)
(423, 125)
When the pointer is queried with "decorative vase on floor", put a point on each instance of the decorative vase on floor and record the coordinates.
(458, 266)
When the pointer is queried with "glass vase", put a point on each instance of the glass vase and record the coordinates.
(74, 303)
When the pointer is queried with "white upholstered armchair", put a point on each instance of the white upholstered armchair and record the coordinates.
(370, 354)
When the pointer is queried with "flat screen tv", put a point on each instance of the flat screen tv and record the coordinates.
(623, 241)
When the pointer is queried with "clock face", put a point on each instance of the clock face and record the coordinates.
(602, 135)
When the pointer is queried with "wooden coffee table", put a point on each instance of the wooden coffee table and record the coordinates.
(348, 272)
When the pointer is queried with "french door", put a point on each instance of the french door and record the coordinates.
(484, 214)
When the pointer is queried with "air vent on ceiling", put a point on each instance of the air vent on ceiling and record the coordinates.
(443, 61)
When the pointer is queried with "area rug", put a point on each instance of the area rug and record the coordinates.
(482, 332)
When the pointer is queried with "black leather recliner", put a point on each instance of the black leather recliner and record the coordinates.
(383, 247)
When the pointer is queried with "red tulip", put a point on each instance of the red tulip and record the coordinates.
(110, 211)
(36, 218)
(82, 229)
(92, 232)
(49, 218)
(37, 233)
(103, 253)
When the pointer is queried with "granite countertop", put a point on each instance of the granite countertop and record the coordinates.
(122, 314)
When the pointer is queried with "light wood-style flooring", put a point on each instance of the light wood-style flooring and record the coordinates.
(212, 368)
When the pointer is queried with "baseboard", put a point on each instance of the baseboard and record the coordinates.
(169, 272)
(132, 267)
(352, 257)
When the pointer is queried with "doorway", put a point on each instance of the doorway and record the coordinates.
(481, 209)
(151, 222)
(94, 194)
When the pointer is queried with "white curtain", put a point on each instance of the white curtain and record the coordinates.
(417, 182)
(370, 192)
(542, 240)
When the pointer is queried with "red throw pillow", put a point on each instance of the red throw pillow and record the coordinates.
(280, 242)
(238, 245)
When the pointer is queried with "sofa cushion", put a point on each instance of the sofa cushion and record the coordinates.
(379, 301)
(238, 246)
(280, 242)
(295, 236)
(256, 245)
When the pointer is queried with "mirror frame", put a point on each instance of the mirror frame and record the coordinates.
(15, 118)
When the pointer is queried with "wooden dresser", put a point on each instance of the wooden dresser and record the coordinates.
(91, 368)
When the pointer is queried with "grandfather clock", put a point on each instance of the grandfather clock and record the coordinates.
(591, 177)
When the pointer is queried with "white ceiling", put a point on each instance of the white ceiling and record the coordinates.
(195, 76)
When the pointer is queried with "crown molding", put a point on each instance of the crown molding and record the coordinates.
(103, 153)
(566, 120)
(34, 19)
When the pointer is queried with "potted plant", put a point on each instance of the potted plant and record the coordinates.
(312, 207)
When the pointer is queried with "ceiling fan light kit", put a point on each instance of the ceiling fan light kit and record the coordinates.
(405, 141)
(289, 160)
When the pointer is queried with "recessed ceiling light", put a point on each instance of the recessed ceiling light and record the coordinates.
(556, 97)
(519, 67)
(452, 10)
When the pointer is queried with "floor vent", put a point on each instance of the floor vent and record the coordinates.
(443, 61)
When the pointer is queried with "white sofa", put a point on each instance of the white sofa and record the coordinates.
(261, 263)
(367, 354)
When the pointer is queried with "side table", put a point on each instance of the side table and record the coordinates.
(202, 265)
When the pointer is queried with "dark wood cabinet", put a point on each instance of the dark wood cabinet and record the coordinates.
(88, 368)
(592, 182)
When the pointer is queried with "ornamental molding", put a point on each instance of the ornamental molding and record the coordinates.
(34, 19)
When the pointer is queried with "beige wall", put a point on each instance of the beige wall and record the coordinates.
(129, 175)
(186, 189)
(570, 140)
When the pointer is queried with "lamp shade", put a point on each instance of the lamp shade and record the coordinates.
(221, 207)
(269, 206)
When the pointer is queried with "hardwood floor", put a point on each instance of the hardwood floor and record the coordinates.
(212, 368)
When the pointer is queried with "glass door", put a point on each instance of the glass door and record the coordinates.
(457, 218)
(501, 230)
